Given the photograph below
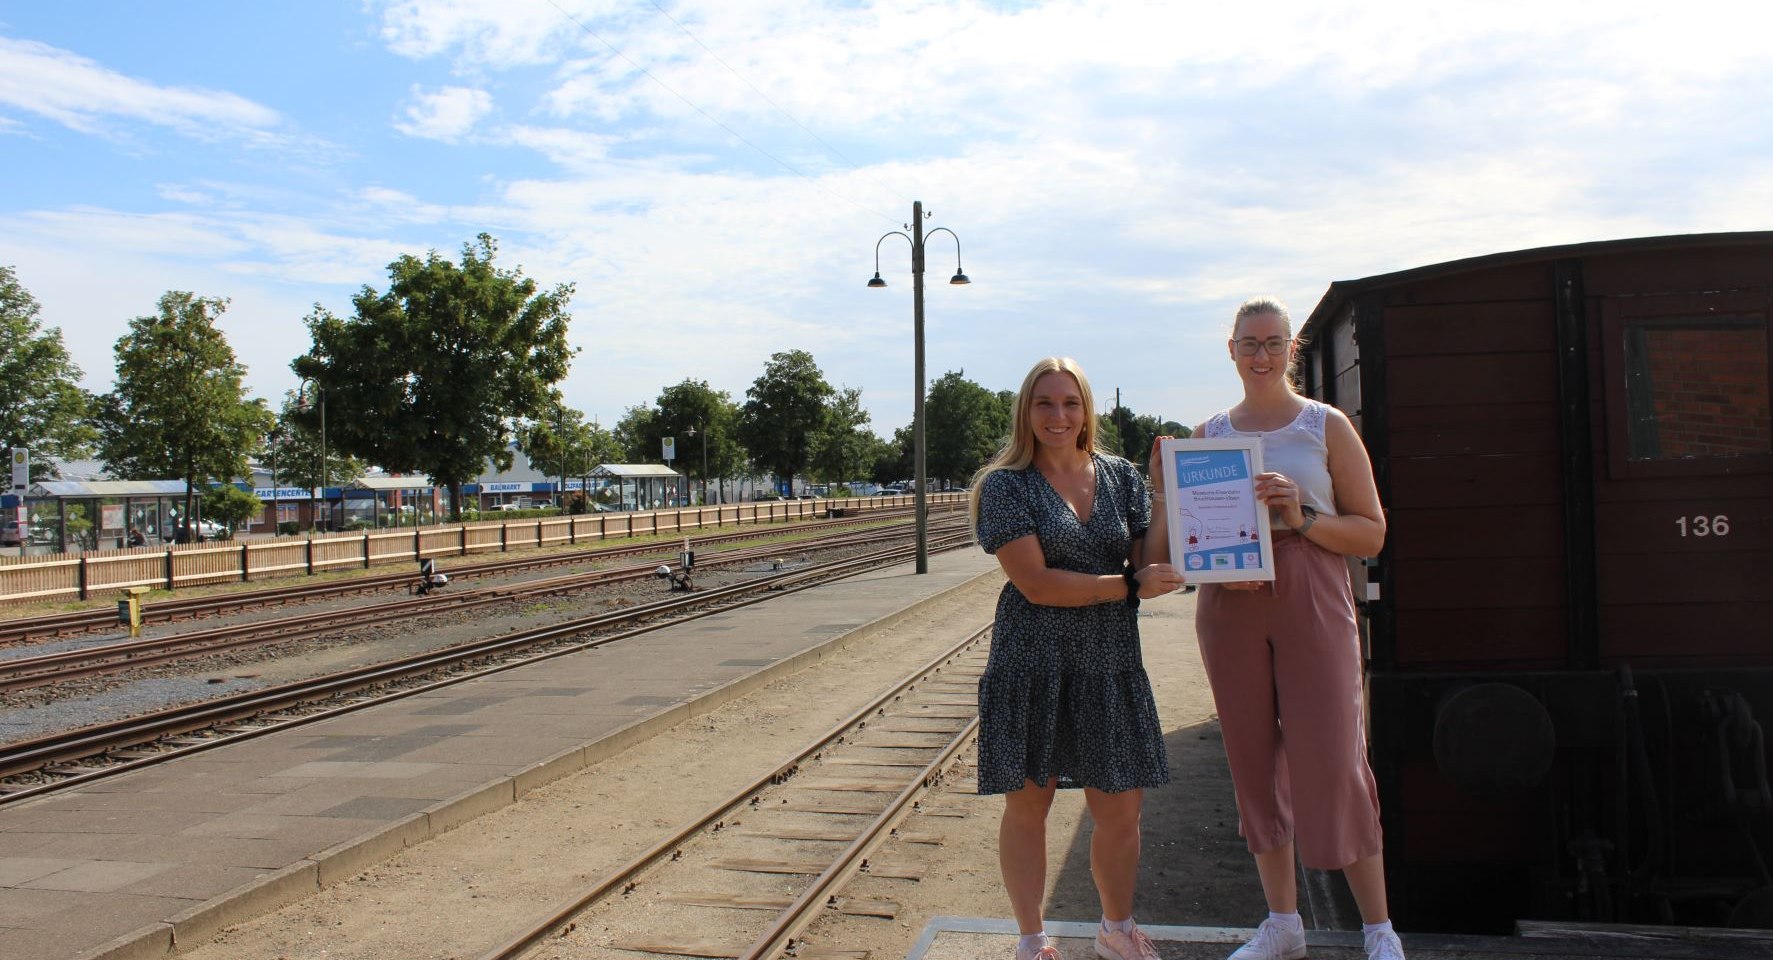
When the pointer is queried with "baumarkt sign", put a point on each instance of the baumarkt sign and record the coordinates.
(21, 469)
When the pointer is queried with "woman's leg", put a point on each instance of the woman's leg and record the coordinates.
(1280, 883)
(1114, 848)
(1022, 851)
(1366, 879)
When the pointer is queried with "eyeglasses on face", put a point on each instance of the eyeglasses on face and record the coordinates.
(1275, 346)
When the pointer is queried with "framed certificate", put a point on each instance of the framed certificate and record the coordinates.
(1218, 529)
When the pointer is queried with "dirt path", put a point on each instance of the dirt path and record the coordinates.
(463, 893)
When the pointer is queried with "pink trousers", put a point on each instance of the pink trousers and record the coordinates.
(1284, 662)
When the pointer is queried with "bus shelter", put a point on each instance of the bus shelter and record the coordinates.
(640, 486)
(70, 515)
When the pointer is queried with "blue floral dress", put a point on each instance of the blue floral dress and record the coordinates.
(1065, 695)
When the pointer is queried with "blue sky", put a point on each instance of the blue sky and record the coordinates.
(1121, 174)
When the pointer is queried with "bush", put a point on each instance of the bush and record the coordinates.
(288, 527)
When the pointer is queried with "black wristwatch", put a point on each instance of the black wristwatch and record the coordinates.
(1132, 578)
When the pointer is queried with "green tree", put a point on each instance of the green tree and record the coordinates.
(231, 506)
(844, 447)
(635, 436)
(558, 444)
(179, 408)
(1137, 431)
(42, 407)
(436, 374)
(293, 446)
(892, 458)
(783, 411)
(964, 425)
(695, 414)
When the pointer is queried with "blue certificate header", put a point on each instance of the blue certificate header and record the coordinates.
(1199, 468)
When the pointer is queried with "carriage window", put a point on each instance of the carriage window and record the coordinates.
(1697, 387)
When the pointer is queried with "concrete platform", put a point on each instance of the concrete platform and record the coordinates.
(973, 938)
(132, 865)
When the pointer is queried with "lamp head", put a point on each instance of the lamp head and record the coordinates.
(877, 281)
(959, 279)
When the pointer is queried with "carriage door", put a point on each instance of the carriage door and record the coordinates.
(1684, 480)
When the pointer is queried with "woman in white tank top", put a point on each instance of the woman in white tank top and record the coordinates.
(1284, 657)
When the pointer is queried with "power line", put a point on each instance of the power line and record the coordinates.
(779, 109)
(715, 120)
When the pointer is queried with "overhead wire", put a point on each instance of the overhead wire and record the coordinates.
(716, 120)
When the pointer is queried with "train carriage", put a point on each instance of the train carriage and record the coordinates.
(1570, 630)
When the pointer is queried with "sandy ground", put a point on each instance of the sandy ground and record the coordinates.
(467, 891)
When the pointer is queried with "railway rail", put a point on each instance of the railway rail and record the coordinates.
(21, 673)
(27, 629)
(753, 850)
(36, 766)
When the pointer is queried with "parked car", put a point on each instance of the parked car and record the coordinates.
(12, 534)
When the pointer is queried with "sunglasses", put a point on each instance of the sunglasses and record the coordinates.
(1248, 346)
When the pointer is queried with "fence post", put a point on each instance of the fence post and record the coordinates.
(462, 532)
(418, 544)
(309, 557)
(169, 576)
(366, 551)
(245, 563)
(82, 576)
(504, 536)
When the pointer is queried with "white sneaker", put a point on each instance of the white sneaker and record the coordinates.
(1384, 945)
(1274, 940)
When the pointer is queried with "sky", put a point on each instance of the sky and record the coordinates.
(715, 176)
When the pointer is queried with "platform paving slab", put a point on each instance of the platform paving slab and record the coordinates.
(172, 853)
(991, 938)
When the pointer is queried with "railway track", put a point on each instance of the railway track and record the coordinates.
(27, 629)
(21, 673)
(32, 767)
(750, 875)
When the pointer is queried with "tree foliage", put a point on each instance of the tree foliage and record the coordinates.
(436, 374)
(893, 458)
(293, 447)
(636, 437)
(964, 425)
(1131, 434)
(231, 506)
(784, 409)
(180, 407)
(844, 447)
(42, 406)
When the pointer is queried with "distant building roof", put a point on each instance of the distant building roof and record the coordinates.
(108, 488)
(393, 483)
(634, 471)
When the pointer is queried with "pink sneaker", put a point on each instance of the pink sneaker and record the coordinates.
(1132, 945)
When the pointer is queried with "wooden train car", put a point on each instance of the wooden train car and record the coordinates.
(1569, 633)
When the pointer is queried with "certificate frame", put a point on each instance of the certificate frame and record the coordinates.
(1219, 531)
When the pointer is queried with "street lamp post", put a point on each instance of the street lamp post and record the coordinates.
(698, 428)
(276, 441)
(917, 425)
(303, 402)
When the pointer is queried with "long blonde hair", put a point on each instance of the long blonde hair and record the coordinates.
(1018, 452)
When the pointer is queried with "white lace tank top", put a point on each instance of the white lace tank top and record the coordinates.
(1296, 450)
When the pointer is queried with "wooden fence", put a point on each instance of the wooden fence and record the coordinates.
(82, 576)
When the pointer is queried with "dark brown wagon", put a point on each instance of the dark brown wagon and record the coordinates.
(1570, 630)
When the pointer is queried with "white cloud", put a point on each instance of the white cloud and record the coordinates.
(447, 113)
(83, 95)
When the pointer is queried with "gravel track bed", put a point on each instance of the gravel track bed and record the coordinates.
(57, 707)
